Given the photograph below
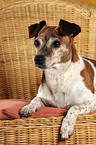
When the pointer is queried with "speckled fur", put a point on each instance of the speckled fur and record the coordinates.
(63, 85)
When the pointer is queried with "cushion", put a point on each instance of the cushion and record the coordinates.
(9, 109)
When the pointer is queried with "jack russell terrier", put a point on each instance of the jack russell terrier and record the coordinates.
(68, 80)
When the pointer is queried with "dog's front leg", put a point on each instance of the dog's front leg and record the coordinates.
(44, 97)
(69, 121)
(31, 108)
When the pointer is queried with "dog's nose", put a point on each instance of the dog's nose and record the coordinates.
(39, 59)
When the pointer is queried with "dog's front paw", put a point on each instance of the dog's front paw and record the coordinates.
(67, 129)
(26, 111)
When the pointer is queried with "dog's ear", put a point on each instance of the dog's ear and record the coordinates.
(68, 29)
(35, 28)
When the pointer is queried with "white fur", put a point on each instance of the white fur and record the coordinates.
(68, 91)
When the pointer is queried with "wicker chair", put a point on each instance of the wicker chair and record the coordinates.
(20, 79)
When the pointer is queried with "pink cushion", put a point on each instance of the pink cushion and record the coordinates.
(49, 112)
(9, 109)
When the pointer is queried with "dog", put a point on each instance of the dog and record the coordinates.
(69, 80)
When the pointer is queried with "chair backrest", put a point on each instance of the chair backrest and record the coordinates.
(18, 76)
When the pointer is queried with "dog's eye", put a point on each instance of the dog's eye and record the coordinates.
(36, 43)
(56, 44)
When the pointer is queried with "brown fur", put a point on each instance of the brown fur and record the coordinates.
(45, 51)
(75, 57)
(71, 54)
(66, 56)
(92, 60)
(49, 32)
(88, 74)
(46, 33)
(68, 29)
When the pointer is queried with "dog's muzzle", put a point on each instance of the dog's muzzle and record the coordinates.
(39, 61)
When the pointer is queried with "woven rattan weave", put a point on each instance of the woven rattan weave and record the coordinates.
(20, 79)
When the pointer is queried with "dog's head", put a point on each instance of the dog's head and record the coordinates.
(53, 44)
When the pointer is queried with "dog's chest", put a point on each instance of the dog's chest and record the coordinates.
(59, 83)
(67, 87)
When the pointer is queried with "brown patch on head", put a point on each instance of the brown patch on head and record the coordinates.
(88, 76)
(46, 33)
(43, 30)
(71, 53)
(46, 51)
(75, 57)
(49, 31)
(66, 56)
